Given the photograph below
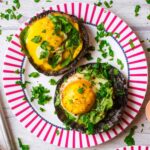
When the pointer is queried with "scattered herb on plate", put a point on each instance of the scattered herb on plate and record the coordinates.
(108, 4)
(98, 3)
(136, 10)
(41, 94)
(120, 63)
(23, 85)
(52, 82)
(48, 0)
(17, 3)
(0, 31)
(129, 140)
(9, 38)
(42, 109)
(34, 75)
(23, 146)
(37, 39)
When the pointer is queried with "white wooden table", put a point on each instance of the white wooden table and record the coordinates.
(122, 8)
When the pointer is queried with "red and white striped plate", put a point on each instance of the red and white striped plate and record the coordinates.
(134, 148)
(44, 125)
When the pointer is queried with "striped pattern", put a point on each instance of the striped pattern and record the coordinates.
(137, 66)
(134, 148)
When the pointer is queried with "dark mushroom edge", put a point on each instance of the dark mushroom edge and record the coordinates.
(83, 34)
(112, 116)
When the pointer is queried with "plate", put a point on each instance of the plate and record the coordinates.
(134, 148)
(44, 125)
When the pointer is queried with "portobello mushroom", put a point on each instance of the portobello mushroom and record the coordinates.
(54, 42)
(91, 98)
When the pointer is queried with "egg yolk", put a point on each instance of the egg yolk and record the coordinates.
(78, 97)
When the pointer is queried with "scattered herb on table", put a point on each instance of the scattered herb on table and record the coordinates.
(136, 10)
(34, 75)
(48, 0)
(148, 17)
(98, 3)
(120, 63)
(57, 132)
(23, 146)
(36, 1)
(41, 94)
(131, 43)
(9, 38)
(0, 31)
(42, 109)
(108, 5)
(52, 81)
(148, 1)
(23, 85)
(129, 140)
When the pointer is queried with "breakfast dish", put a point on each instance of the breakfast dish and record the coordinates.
(49, 69)
(54, 42)
(91, 98)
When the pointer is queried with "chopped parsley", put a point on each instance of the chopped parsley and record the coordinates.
(148, 1)
(0, 31)
(88, 56)
(80, 90)
(148, 17)
(17, 3)
(136, 10)
(57, 132)
(34, 74)
(48, 1)
(23, 85)
(23, 146)
(116, 72)
(98, 4)
(36, 39)
(120, 63)
(129, 140)
(36, 1)
(108, 5)
(42, 109)
(90, 128)
(9, 38)
(17, 71)
(41, 94)
(131, 43)
(53, 82)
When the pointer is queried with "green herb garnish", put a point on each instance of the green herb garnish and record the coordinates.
(36, 1)
(137, 9)
(80, 90)
(129, 140)
(37, 39)
(0, 31)
(23, 85)
(108, 5)
(34, 74)
(44, 31)
(9, 38)
(23, 146)
(98, 4)
(148, 1)
(53, 82)
(148, 49)
(17, 3)
(41, 94)
(120, 63)
(42, 109)
(88, 56)
(148, 17)
(57, 132)
(131, 43)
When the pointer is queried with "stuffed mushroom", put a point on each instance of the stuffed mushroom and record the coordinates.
(54, 42)
(91, 98)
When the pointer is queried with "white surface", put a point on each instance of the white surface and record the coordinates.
(122, 8)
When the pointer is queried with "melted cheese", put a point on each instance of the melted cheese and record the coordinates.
(36, 29)
(76, 102)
